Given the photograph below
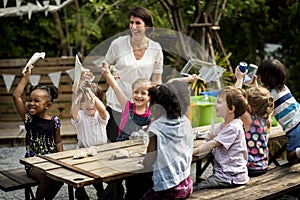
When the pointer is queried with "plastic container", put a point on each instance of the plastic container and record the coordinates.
(202, 110)
(250, 74)
(212, 93)
(243, 66)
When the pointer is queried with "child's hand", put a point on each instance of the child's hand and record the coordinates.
(209, 136)
(27, 73)
(74, 89)
(254, 82)
(192, 78)
(238, 74)
(104, 67)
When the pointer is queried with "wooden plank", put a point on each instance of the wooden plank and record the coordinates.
(32, 160)
(15, 179)
(70, 177)
(272, 184)
(70, 167)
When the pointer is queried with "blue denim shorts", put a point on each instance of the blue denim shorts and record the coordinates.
(293, 139)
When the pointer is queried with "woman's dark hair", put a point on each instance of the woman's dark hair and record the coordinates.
(51, 90)
(173, 97)
(145, 15)
(272, 74)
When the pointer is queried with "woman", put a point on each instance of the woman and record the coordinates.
(134, 56)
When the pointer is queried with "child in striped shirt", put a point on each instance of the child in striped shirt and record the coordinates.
(272, 74)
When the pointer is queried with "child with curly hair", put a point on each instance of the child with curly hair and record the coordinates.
(257, 125)
(171, 142)
(42, 130)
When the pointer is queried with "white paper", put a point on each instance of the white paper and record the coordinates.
(4, 3)
(18, 3)
(34, 79)
(30, 8)
(33, 59)
(46, 4)
(39, 5)
(55, 78)
(8, 80)
(57, 2)
(78, 70)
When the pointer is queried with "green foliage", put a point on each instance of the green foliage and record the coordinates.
(21, 37)
(243, 28)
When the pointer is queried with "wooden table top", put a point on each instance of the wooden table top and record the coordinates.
(112, 161)
(100, 167)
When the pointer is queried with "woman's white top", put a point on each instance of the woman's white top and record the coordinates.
(120, 54)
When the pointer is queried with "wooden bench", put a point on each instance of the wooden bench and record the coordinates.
(277, 147)
(275, 183)
(16, 179)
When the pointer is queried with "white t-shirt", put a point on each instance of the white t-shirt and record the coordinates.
(90, 130)
(120, 54)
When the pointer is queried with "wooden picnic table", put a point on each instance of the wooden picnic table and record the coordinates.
(113, 161)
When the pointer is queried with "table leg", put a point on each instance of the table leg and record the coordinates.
(106, 194)
(272, 158)
(198, 170)
(71, 192)
(201, 169)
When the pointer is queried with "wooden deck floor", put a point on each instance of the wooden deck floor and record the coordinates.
(13, 133)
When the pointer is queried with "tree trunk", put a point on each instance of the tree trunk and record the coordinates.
(63, 46)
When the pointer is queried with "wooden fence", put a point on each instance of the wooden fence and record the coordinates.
(61, 106)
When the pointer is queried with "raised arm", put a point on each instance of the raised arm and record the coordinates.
(75, 104)
(190, 78)
(239, 77)
(101, 108)
(114, 85)
(17, 94)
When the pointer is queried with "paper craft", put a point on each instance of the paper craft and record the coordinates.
(77, 74)
(80, 154)
(121, 154)
(35, 79)
(32, 60)
(207, 71)
(55, 78)
(83, 80)
(8, 80)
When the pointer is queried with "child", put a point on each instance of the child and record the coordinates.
(135, 115)
(171, 142)
(272, 74)
(257, 125)
(90, 122)
(42, 130)
(227, 143)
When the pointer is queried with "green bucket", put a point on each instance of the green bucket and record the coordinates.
(202, 110)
